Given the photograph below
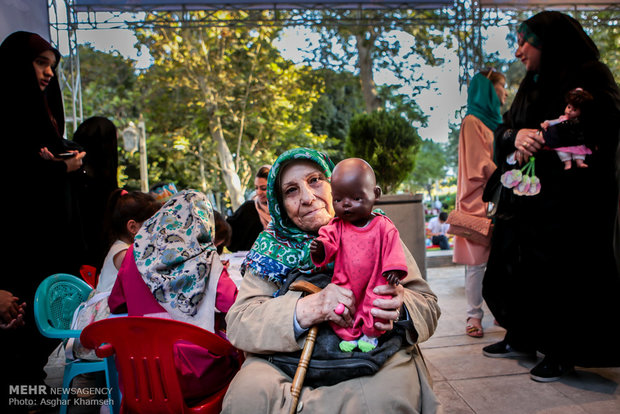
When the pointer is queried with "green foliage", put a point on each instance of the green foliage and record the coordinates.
(388, 142)
(109, 86)
(331, 114)
(430, 167)
(215, 92)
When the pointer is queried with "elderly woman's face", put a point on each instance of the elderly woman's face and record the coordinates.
(306, 195)
(529, 55)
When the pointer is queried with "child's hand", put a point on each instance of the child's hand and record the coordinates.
(544, 125)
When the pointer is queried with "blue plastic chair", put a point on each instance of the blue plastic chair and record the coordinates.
(55, 301)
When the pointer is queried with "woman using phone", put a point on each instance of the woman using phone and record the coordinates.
(40, 219)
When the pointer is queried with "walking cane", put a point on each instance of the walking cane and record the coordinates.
(306, 353)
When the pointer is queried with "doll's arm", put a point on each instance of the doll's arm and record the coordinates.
(317, 251)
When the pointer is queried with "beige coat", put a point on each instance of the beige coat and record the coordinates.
(260, 323)
(475, 167)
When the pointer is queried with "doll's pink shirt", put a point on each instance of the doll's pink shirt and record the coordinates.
(361, 256)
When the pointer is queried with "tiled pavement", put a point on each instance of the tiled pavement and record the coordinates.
(466, 382)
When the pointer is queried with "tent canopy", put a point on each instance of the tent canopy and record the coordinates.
(174, 5)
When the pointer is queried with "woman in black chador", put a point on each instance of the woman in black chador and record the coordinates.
(40, 232)
(551, 279)
(93, 186)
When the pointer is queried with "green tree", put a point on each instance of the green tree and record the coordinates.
(331, 114)
(233, 95)
(388, 142)
(109, 86)
(430, 167)
(370, 41)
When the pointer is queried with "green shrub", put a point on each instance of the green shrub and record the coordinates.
(388, 142)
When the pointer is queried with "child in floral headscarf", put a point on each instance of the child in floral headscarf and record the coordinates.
(173, 270)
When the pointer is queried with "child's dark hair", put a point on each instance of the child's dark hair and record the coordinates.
(124, 206)
(443, 216)
(579, 98)
(223, 231)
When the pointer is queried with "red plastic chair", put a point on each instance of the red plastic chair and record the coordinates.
(145, 361)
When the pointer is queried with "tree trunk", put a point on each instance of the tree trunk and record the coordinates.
(364, 62)
(231, 179)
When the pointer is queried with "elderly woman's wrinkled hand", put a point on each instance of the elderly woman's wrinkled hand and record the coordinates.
(320, 307)
(387, 311)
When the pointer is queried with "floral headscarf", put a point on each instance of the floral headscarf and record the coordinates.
(483, 102)
(283, 246)
(176, 257)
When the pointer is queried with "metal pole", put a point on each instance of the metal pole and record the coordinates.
(144, 177)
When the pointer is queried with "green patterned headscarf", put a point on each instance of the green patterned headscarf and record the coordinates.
(283, 246)
(483, 102)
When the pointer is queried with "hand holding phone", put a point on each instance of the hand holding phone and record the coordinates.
(66, 155)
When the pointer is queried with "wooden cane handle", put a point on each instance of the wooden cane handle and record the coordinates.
(303, 286)
(306, 353)
(304, 361)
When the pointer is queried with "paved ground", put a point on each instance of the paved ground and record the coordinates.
(465, 381)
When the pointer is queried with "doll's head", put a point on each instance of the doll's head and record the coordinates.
(354, 190)
(577, 100)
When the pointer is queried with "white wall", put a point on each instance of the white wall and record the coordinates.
(26, 15)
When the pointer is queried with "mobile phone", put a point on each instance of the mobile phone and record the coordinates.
(65, 155)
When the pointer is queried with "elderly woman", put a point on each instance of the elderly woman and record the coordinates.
(264, 321)
(551, 279)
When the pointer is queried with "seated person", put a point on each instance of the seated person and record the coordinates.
(437, 229)
(262, 321)
(172, 270)
(223, 232)
(252, 217)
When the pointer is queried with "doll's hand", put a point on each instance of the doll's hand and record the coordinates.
(317, 251)
(393, 277)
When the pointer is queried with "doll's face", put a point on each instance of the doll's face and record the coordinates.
(571, 112)
(354, 191)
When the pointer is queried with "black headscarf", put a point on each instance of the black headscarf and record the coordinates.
(23, 104)
(568, 59)
(98, 137)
